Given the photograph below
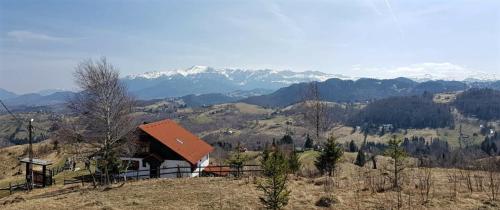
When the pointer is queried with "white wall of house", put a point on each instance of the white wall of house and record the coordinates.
(172, 168)
(201, 165)
(143, 171)
(168, 166)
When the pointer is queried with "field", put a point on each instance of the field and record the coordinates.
(352, 189)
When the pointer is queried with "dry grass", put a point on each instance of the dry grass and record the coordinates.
(251, 109)
(350, 191)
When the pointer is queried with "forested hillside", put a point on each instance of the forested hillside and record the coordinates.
(481, 103)
(405, 112)
(361, 90)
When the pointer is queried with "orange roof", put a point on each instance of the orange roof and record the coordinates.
(181, 141)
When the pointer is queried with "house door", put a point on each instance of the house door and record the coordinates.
(154, 169)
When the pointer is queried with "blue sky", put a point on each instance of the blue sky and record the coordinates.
(42, 41)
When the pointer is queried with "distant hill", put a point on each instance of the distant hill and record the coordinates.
(5, 94)
(337, 90)
(207, 99)
(35, 99)
(198, 100)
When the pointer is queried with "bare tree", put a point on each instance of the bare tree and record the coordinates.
(493, 184)
(104, 109)
(424, 184)
(316, 109)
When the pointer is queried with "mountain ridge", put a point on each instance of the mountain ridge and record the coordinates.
(364, 89)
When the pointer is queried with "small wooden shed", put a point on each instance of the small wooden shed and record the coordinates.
(40, 178)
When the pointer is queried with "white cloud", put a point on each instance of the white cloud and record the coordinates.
(22, 35)
(429, 70)
(286, 20)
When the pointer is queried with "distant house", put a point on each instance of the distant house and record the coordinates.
(166, 149)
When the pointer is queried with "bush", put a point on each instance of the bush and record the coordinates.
(326, 201)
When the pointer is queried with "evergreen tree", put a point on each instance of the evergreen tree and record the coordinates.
(293, 162)
(309, 142)
(327, 161)
(488, 146)
(382, 131)
(286, 139)
(274, 185)
(265, 153)
(237, 160)
(398, 155)
(360, 158)
(353, 147)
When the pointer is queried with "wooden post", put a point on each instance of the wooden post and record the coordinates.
(158, 172)
(10, 188)
(137, 175)
(178, 172)
(82, 183)
(44, 176)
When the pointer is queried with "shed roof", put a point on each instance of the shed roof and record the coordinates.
(180, 140)
(36, 161)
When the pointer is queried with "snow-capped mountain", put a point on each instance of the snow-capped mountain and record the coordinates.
(203, 79)
(236, 74)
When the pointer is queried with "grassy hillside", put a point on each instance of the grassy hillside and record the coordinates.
(352, 190)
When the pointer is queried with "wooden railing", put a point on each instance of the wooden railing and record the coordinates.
(14, 187)
(178, 171)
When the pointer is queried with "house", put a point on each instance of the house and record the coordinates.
(165, 149)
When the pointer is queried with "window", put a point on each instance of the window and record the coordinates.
(133, 164)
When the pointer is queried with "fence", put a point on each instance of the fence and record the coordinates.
(173, 172)
(56, 170)
(14, 187)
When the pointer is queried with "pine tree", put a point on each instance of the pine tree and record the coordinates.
(265, 153)
(382, 131)
(293, 162)
(309, 142)
(353, 147)
(274, 186)
(398, 155)
(286, 139)
(360, 158)
(488, 146)
(237, 160)
(327, 161)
